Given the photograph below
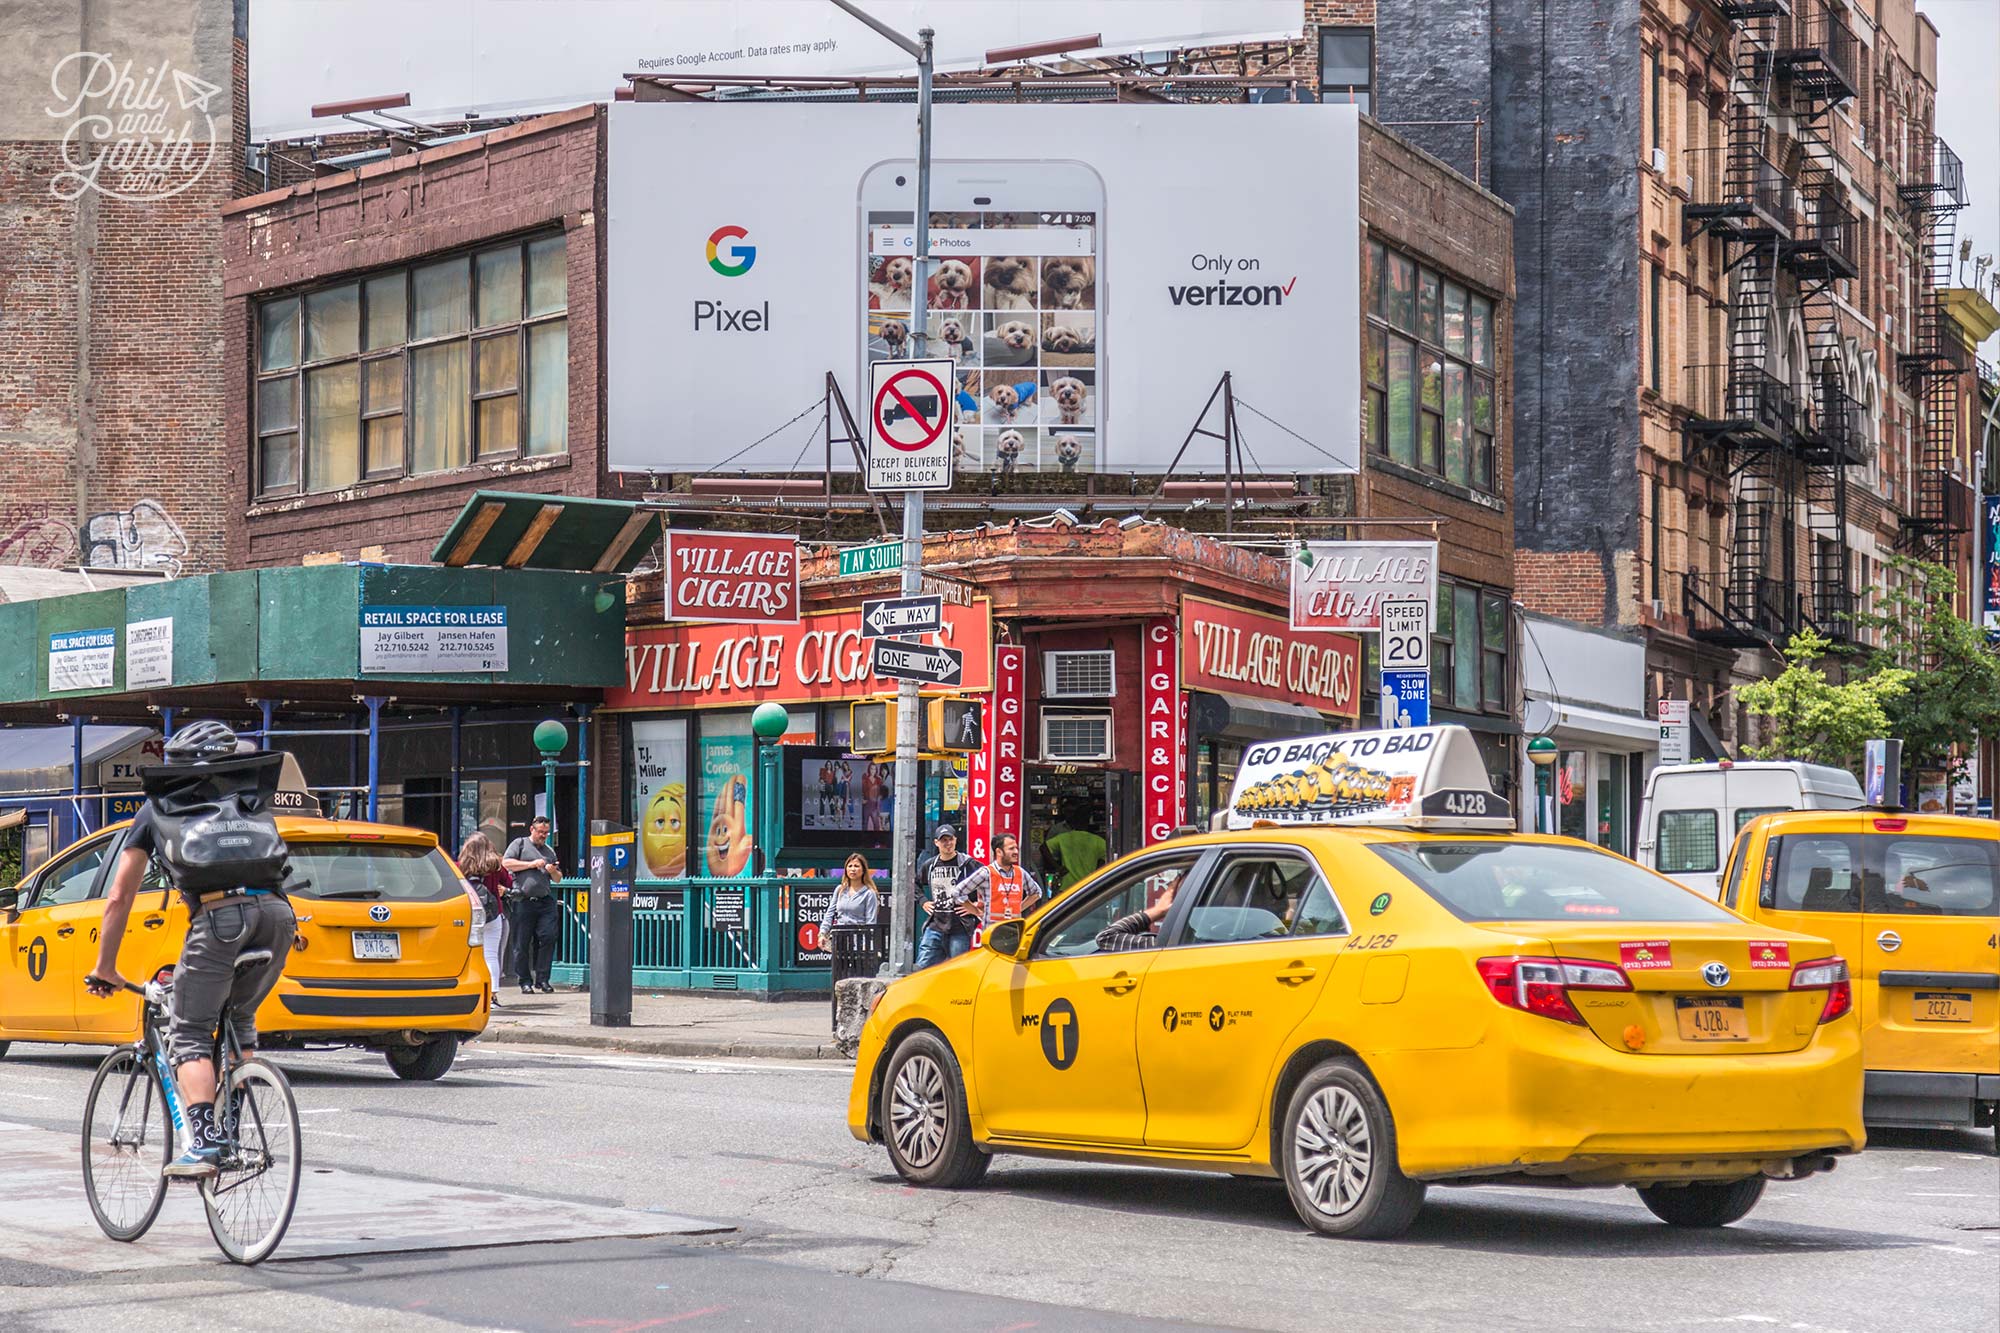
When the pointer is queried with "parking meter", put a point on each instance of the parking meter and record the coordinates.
(612, 862)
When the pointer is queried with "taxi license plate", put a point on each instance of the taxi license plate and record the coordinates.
(1711, 1018)
(377, 945)
(1942, 1006)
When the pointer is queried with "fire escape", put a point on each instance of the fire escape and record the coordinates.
(1776, 203)
(1940, 504)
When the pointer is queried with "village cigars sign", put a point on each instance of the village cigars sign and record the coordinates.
(1229, 650)
(994, 797)
(1342, 585)
(821, 657)
(732, 577)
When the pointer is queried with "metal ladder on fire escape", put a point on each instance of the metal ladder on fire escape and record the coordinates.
(1932, 364)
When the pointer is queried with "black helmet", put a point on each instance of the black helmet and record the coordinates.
(199, 742)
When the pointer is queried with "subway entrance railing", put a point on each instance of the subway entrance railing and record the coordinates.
(752, 936)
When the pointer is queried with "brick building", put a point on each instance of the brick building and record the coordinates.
(112, 396)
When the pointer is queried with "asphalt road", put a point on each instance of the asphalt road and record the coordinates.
(816, 1232)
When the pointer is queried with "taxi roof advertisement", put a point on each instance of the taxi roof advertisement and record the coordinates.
(1408, 775)
(1091, 283)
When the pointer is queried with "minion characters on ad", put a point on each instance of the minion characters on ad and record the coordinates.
(1315, 791)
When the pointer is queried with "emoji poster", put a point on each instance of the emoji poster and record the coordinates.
(728, 760)
(660, 797)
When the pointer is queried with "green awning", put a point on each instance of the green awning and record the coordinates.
(518, 531)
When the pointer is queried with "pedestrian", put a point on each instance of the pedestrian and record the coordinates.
(952, 911)
(856, 900)
(488, 881)
(1004, 889)
(1074, 852)
(533, 914)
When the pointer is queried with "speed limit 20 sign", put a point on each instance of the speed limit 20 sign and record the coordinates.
(909, 425)
(1406, 635)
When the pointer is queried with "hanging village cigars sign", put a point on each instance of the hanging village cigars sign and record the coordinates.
(1229, 650)
(823, 656)
(1342, 585)
(732, 577)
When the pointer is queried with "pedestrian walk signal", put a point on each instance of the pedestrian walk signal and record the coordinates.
(957, 726)
(950, 726)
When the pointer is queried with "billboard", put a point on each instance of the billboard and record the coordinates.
(503, 57)
(1093, 283)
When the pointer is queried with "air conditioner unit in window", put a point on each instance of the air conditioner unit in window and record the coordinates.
(1079, 675)
(1660, 160)
(1070, 737)
(1659, 608)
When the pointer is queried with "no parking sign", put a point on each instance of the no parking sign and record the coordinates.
(909, 425)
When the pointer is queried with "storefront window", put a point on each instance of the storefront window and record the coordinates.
(1611, 789)
(1573, 794)
(659, 794)
(728, 772)
(1214, 778)
(1465, 663)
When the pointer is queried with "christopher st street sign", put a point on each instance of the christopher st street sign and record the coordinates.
(899, 659)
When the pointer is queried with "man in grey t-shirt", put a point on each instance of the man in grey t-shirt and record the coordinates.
(533, 914)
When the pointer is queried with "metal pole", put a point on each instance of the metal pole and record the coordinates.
(76, 775)
(549, 796)
(264, 708)
(583, 772)
(451, 820)
(374, 702)
(903, 885)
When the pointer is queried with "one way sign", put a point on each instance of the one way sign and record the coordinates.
(899, 659)
(902, 615)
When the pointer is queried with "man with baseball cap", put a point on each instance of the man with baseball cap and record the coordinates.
(953, 911)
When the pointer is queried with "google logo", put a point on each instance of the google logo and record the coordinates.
(744, 255)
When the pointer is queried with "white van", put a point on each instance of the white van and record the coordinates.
(1693, 812)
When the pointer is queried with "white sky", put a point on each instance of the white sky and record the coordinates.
(1968, 112)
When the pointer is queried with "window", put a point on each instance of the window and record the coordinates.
(1502, 880)
(69, 881)
(1347, 66)
(1687, 842)
(1653, 327)
(1465, 665)
(372, 871)
(1131, 891)
(1653, 536)
(1493, 643)
(1934, 876)
(1659, 102)
(1739, 859)
(415, 370)
(1430, 401)
(1812, 874)
(1261, 897)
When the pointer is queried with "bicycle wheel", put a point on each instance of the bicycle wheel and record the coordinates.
(126, 1143)
(250, 1200)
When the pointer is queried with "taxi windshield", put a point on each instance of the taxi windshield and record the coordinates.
(1529, 881)
(372, 872)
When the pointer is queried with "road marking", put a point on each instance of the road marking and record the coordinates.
(687, 1063)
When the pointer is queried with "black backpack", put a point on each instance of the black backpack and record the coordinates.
(215, 825)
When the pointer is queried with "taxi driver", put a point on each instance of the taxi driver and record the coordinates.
(1140, 929)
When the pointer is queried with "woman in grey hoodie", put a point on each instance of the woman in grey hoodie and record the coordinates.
(855, 901)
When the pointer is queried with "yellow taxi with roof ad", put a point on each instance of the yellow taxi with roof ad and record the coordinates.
(387, 954)
(1913, 902)
(1368, 984)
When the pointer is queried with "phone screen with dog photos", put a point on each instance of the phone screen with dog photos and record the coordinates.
(1015, 298)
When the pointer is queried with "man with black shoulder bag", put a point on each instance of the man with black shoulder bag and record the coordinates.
(207, 819)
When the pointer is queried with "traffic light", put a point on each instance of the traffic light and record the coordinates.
(871, 727)
(954, 725)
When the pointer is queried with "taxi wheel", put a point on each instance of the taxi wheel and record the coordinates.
(924, 1124)
(1339, 1151)
(424, 1063)
(1703, 1205)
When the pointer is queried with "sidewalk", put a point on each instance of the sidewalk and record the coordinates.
(671, 1023)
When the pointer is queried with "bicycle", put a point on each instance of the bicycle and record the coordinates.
(134, 1123)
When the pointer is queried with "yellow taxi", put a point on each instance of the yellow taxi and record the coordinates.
(1913, 901)
(387, 954)
(1369, 985)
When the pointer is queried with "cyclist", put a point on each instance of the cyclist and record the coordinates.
(221, 926)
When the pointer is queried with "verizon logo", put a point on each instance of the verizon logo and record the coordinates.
(1231, 293)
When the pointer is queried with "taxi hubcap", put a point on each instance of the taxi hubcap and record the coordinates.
(917, 1111)
(1332, 1148)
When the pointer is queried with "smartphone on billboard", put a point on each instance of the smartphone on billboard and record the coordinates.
(1016, 298)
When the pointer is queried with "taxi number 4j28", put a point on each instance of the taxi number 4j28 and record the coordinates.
(1464, 803)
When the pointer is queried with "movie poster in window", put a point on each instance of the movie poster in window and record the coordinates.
(660, 796)
(728, 765)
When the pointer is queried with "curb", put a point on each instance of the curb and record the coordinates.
(610, 1040)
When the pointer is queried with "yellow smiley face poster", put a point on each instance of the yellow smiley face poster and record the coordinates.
(660, 803)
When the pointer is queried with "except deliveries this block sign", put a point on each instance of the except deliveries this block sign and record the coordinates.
(1673, 731)
(909, 425)
(993, 791)
(1160, 725)
(417, 640)
(734, 577)
(1228, 649)
(81, 659)
(1342, 585)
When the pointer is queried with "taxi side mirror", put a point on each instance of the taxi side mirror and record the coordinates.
(1005, 938)
(10, 900)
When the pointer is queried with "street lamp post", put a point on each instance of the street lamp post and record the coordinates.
(903, 882)
(768, 723)
(1542, 754)
(551, 737)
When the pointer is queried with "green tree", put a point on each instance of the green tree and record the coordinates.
(1954, 690)
(1819, 720)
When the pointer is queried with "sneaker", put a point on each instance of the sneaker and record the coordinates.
(547, 989)
(197, 1163)
(527, 989)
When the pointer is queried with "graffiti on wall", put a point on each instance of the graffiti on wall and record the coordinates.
(144, 536)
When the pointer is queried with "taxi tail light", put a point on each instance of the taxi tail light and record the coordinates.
(1829, 975)
(1542, 985)
(165, 976)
